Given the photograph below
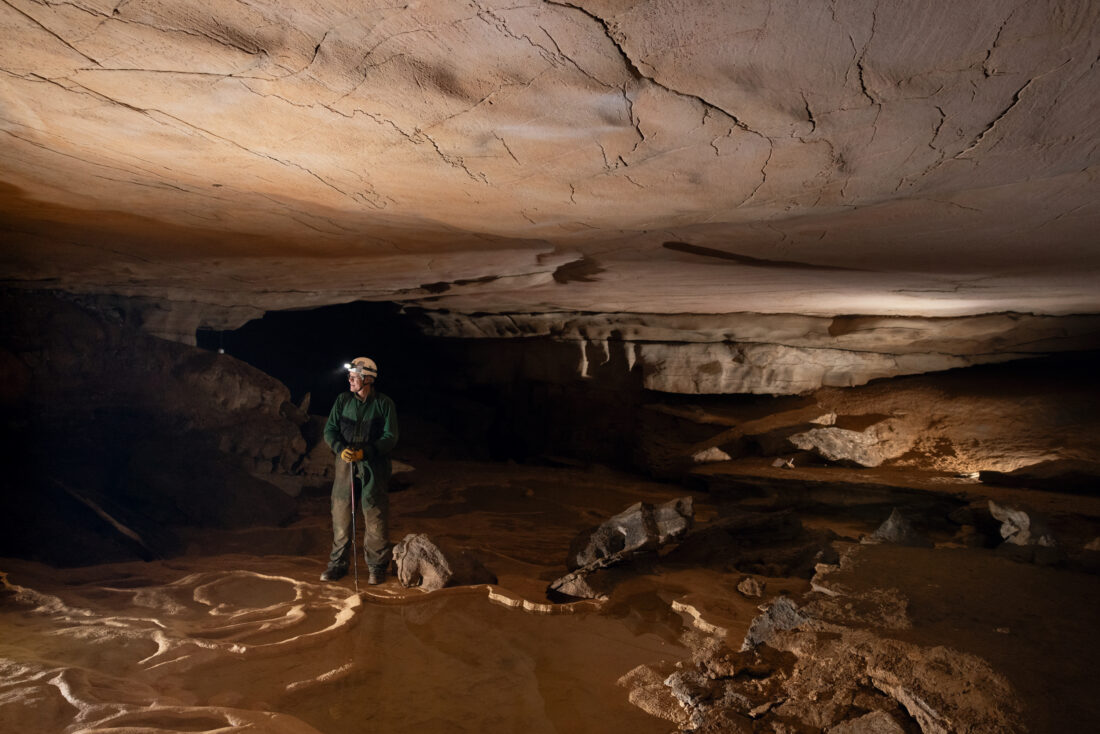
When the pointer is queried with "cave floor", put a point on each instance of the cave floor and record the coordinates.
(238, 632)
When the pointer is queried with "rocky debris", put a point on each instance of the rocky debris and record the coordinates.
(637, 529)
(797, 673)
(781, 614)
(832, 660)
(724, 691)
(898, 529)
(752, 587)
(781, 463)
(647, 691)
(846, 681)
(431, 565)
(709, 703)
(876, 722)
(871, 447)
(1093, 545)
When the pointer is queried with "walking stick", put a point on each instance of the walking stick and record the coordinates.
(354, 551)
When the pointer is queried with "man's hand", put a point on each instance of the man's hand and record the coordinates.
(350, 455)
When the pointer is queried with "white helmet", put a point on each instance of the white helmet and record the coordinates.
(363, 366)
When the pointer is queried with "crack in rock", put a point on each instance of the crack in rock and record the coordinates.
(153, 113)
(632, 66)
(41, 25)
(989, 128)
(455, 161)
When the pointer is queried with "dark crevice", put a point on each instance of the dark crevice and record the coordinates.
(746, 259)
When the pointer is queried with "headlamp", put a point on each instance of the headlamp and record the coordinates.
(362, 366)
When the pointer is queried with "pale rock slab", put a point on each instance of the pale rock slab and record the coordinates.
(898, 529)
(1020, 527)
(871, 447)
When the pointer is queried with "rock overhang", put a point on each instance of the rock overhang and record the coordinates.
(557, 158)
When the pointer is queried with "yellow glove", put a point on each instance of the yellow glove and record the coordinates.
(350, 455)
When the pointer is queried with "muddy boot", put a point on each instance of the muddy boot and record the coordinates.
(377, 575)
(334, 572)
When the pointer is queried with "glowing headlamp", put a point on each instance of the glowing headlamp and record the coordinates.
(362, 366)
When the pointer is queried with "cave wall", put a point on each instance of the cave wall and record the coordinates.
(116, 436)
(996, 417)
(990, 393)
(110, 426)
(769, 354)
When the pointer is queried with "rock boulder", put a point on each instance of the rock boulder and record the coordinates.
(432, 565)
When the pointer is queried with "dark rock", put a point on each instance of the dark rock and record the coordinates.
(637, 529)
(186, 481)
(597, 582)
(898, 530)
(578, 586)
(977, 526)
(768, 544)
(318, 462)
(95, 528)
(726, 537)
(1058, 475)
(163, 432)
(628, 536)
(432, 565)
(673, 519)
(781, 614)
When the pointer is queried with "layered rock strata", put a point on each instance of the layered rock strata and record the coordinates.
(776, 354)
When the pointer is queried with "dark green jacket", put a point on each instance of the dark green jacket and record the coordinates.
(369, 424)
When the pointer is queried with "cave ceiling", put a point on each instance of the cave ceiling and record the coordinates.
(709, 157)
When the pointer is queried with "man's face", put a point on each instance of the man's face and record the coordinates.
(355, 381)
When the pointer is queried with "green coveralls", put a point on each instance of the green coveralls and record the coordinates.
(371, 425)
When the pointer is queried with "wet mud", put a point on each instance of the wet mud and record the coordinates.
(238, 634)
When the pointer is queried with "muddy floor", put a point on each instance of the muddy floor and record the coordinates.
(951, 634)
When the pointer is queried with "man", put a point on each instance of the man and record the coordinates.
(362, 431)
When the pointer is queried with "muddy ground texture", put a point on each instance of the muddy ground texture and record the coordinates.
(811, 599)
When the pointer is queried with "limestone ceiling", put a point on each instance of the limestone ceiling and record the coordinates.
(707, 156)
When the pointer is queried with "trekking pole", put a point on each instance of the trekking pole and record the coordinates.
(354, 551)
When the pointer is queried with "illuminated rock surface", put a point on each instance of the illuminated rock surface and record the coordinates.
(811, 264)
(651, 157)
